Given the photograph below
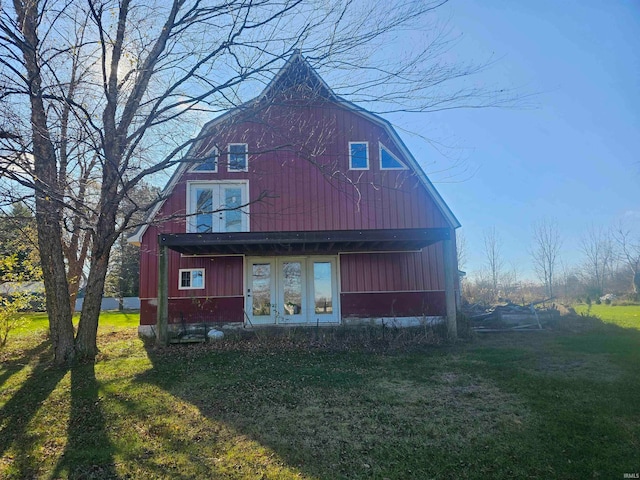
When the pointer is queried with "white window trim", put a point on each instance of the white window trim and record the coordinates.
(190, 213)
(366, 145)
(395, 157)
(246, 153)
(215, 154)
(191, 287)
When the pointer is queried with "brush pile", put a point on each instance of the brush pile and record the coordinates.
(510, 316)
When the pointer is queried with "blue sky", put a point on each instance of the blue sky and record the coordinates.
(573, 156)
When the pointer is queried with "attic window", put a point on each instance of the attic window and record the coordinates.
(388, 161)
(238, 157)
(358, 156)
(208, 164)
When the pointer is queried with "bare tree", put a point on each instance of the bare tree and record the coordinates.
(569, 280)
(629, 252)
(597, 248)
(493, 259)
(461, 249)
(95, 92)
(477, 288)
(545, 251)
(510, 281)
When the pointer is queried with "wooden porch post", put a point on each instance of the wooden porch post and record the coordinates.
(450, 270)
(163, 295)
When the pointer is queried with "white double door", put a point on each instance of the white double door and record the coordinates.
(292, 290)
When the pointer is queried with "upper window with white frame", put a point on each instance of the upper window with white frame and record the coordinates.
(358, 156)
(207, 164)
(238, 157)
(191, 279)
(388, 161)
(217, 207)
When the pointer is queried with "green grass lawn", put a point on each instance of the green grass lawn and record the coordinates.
(114, 320)
(560, 403)
(624, 316)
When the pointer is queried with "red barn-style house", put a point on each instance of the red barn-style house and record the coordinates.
(297, 208)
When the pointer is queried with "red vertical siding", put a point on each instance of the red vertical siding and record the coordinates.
(149, 264)
(310, 186)
(394, 271)
(299, 158)
(392, 304)
(223, 275)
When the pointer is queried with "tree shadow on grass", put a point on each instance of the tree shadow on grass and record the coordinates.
(226, 440)
(580, 376)
(89, 452)
(16, 414)
(277, 399)
(14, 365)
(590, 334)
(271, 413)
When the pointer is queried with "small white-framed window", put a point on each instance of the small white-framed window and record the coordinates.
(208, 163)
(238, 157)
(191, 279)
(358, 156)
(388, 161)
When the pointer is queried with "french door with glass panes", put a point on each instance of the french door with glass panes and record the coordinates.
(292, 290)
(217, 207)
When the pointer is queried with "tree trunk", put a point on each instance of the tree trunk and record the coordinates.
(75, 252)
(55, 281)
(86, 339)
(74, 276)
(48, 211)
(105, 230)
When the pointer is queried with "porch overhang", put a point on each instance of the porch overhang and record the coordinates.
(309, 242)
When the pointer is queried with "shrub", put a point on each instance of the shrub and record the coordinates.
(465, 327)
(36, 302)
(11, 316)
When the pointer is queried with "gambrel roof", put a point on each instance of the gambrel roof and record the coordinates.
(298, 74)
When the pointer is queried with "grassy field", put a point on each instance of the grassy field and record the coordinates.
(561, 403)
(623, 316)
(109, 320)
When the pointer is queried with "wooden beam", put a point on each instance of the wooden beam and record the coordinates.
(301, 241)
(450, 270)
(162, 320)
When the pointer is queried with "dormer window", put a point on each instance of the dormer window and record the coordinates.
(207, 164)
(358, 156)
(388, 161)
(238, 157)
